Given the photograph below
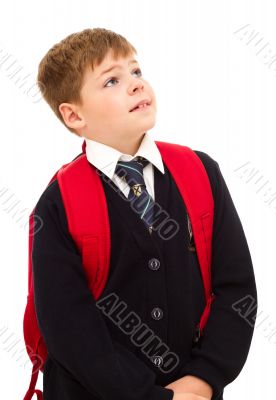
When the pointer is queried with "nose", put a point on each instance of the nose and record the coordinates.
(137, 84)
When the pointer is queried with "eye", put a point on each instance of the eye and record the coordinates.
(114, 78)
(139, 71)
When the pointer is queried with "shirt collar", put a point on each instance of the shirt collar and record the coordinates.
(105, 157)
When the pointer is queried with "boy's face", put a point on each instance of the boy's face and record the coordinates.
(107, 100)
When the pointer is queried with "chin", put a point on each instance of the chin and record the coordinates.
(147, 125)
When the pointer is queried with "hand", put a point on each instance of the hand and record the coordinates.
(192, 385)
(188, 396)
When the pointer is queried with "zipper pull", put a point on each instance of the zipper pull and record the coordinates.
(191, 245)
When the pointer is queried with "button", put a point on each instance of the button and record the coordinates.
(150, 229)
(157, 313)
(157, 360)
(154, 264)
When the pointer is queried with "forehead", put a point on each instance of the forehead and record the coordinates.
(110, 61)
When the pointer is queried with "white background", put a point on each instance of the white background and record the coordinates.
(216, 92)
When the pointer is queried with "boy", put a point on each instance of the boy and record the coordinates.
(89, 357)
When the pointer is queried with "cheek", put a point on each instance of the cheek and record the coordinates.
(113, 107)
(152, 94)
(107, 112)
(95, 108)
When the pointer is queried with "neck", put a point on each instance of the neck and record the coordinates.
(128, 147)
(125, 146)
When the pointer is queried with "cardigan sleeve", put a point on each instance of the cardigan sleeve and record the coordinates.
(72, 326)
(221, 354)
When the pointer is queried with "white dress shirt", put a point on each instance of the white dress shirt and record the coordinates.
(105, 158)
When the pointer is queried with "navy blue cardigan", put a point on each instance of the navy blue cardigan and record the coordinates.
(153, 284)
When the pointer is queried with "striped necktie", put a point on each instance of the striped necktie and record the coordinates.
(142, 202)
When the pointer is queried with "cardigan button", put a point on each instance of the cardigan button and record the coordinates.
(157, 313)
(154, 264)
(157, 360)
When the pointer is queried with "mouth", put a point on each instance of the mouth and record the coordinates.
(142, 105)
(141, 108)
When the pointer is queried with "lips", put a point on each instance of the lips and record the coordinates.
(145, 101)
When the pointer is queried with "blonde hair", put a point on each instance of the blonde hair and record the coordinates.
(61, 70)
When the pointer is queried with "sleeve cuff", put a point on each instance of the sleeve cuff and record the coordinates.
(203, 370)
(161, 393)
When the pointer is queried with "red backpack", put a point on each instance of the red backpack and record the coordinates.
(89, 227)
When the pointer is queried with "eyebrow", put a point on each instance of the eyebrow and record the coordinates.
(115, 66)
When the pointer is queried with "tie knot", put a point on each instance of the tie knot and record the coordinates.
(132, 171)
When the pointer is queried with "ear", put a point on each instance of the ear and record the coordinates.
(71, 116)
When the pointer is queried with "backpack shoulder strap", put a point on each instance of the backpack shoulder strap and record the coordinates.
(88, 221)
(193, 183)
